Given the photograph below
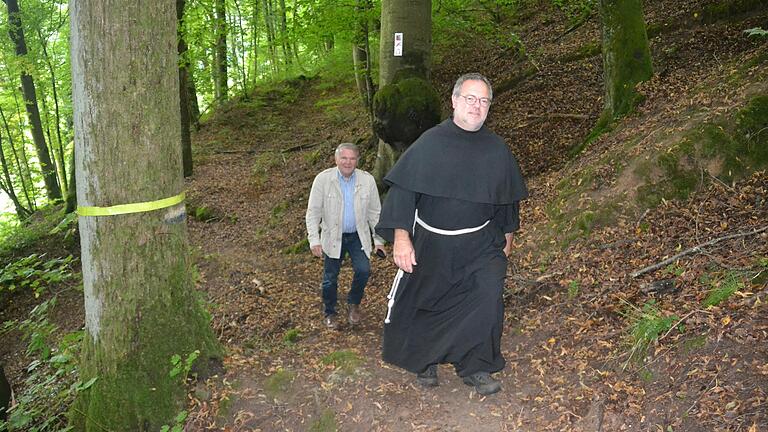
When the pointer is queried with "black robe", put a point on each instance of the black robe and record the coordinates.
(450, 309)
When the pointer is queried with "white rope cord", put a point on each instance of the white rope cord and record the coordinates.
(400, 272)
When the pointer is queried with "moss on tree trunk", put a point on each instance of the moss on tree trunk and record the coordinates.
(626, 56)
(140, 305)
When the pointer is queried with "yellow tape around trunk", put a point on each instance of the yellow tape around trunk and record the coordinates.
(131, 208)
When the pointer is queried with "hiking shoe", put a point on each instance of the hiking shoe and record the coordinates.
(353, 314)
(331, 321)
(428, 378)
(483, 382)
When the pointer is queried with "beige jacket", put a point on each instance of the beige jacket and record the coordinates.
(324, 211)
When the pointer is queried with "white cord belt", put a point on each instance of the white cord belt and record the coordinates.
(400, 272)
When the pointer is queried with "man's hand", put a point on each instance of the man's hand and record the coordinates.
(402, 251)
(317, 250)
(508, 246)
(378, 248)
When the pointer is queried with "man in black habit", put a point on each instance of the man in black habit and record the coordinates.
(451, 209)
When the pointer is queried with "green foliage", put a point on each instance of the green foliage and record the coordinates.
(573, 289)
(292, 336)
(203, 213)
(346, 363)
(183, 366)
(263, 165)
(725, 289)
(756, 32)
(576, 10)
(16, 236)
(178, 423)
(52, 381)
(326, 422)
(645, 327)
(34, 273)
(299, 247)
(279, 382)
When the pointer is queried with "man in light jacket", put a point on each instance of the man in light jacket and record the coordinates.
(342, 212)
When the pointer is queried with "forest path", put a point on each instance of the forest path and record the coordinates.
(285, 370)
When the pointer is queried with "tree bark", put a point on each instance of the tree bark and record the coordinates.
(62, 168)
(19, 168)
(222, 80)
(361, 57)
(413, 19)
(47, 168)
(7, 186)
(186, 135)
(626, 56)
(140, 308)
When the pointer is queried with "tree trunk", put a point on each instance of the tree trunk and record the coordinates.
(7, 186)
(140, 308)
(287, 55)
(186, 136)
(62, 168)
(72, 191)
(270, 29)
(361, 57)
(256, 33)
(413, 20)
(30, 101)
(626, 56)
(222, 80)
(19, 168)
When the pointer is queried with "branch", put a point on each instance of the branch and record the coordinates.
(695, 249)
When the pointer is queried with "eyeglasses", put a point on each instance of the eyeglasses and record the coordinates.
(471, 100)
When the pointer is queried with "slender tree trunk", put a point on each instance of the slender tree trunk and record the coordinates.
(19, 168)
(256, 33)
(626, 56)
(242, 63)
(140, 309)
(361, 57)
(72, 191)
(284, 38)
(57, 116)
(270, 28)
(186, 136)
(221, 51)
(30, 101)
(7, 186)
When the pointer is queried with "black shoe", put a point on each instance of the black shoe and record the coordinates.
(483, 382)
(428, 378)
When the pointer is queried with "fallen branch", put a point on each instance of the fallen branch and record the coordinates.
(234, 151)
(695, 249)
(299, 147)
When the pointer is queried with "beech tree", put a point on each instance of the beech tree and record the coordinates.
(406, 104)
(140, 308)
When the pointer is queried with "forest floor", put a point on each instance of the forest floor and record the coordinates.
(571, 309)
(569, 317)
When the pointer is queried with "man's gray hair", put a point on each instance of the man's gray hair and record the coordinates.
(473, 76)
(346, 146)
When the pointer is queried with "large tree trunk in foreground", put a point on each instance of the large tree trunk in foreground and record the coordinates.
(626, 56)
(30, 101)
(140, 307)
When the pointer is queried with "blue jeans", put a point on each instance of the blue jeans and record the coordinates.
(350, 244)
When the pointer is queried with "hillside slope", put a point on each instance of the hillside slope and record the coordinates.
(589, 346)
